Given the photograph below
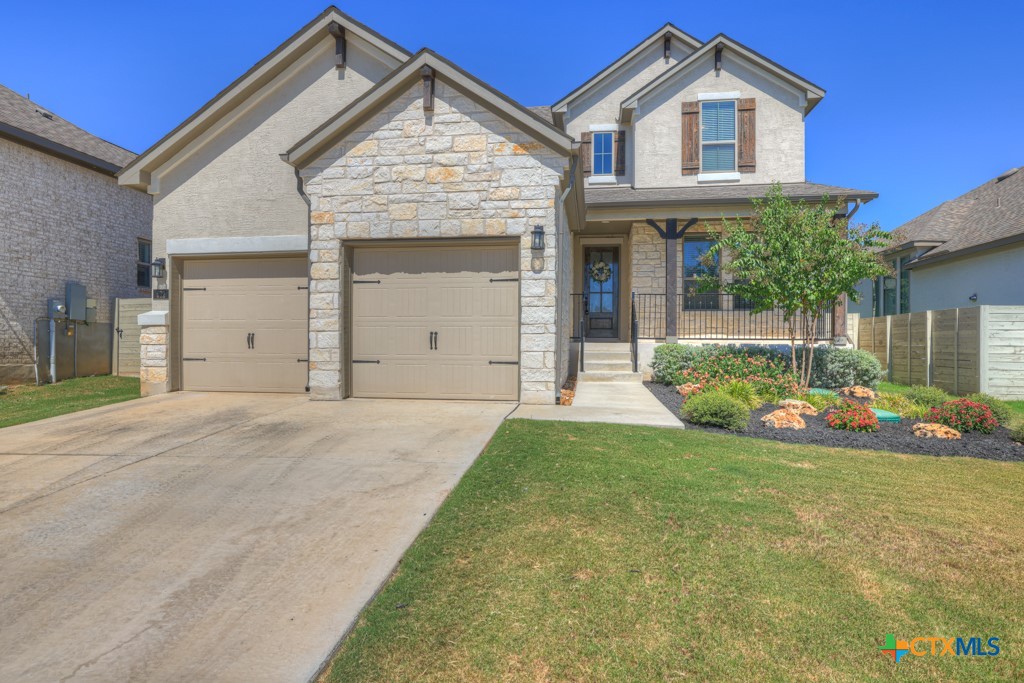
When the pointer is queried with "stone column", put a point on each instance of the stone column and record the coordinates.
(325, 376)
(154, 377)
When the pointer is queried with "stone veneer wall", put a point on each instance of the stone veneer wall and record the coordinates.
(153, 371)
(459, 172)
(60, 222)
(648, 265)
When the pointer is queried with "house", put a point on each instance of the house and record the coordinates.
(968, 251)
(63, 218)
(351, 219)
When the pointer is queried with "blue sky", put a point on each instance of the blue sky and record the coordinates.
(925, 99)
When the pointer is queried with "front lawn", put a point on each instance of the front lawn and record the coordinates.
(597, 552)
(28, 403)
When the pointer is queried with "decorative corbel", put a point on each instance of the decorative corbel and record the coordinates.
(718, 59)
(427, 74)
(340, 46)
(668, 45)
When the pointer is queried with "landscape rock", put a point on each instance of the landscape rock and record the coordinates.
(784, 419)
(858, 391)
(688, 388)
(798, 407)
(930, 430)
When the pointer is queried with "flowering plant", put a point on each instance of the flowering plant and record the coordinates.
(853, 417)
(767, 374)
(965, 415)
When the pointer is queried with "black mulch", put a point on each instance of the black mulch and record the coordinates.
(895, 437)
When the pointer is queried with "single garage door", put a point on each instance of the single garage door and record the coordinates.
(244, 325)
(436, 322)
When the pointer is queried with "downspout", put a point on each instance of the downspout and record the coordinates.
(561, 202)
(857, 203)
(309, 230)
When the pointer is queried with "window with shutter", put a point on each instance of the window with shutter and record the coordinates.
(718, 136)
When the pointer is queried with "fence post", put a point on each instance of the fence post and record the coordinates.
(956, 353)
(928, 349)
(888, 347)
(983, 349)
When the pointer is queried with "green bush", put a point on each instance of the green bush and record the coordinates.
(716, 409)
(837, 367)
(670, 360)
(819, 401)
(929, 397)
(1017, 433)
(964, 416)
(765, 370)
(901, 405)
(1000, 409)
(744, 393)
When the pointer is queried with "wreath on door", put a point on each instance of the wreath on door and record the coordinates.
(600, 271)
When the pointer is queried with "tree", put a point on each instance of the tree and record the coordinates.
(796, 258)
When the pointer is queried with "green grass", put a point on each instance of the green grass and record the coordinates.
(20, 404)
(1016, 406)
(589, 552)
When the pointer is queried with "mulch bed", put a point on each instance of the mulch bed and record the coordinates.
(895, 437)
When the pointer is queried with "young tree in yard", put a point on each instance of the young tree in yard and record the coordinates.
(796, 258)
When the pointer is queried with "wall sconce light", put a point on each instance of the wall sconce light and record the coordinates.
(158, 267)
(538, 238)
(973, 297)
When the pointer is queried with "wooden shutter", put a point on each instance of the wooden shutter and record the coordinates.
(691, 138)
(586, 152)
(747, 143)
(620, 153)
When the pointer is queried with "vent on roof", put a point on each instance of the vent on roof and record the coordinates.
(45, 114)
(1007, 174)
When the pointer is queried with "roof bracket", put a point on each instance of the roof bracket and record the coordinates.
(668, 45)
(340, 45)
(427, 73)
(718, 59)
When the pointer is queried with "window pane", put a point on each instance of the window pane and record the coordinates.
(718, 121)
(142, 277)
(719, 158)
(145, 251)
(698, 301)
(693, 257)
(603, 153)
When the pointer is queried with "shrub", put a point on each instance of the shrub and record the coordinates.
(1000, 409)
(716, 409)
(765, 370)
(835, 367)
(671, 359)
(819, 401)
(744, 393)
(929, 397)
(853, 417)
(964, 415)
(1017, 433)
(901, 405)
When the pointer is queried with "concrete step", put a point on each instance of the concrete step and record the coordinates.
(616, 365)
(611, 376)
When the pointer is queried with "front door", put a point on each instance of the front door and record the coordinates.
(601, 286)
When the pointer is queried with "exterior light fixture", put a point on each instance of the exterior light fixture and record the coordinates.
(973, 297)
(538, 238)
(158, 267)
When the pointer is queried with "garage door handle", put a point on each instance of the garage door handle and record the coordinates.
(248, 341)
(433, 340)
(253, 335)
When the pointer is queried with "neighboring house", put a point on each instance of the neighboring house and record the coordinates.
(449, 236)
(968, 251)
(63, 218)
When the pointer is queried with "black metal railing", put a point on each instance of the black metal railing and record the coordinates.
(579, 325)
(712, 316)
(634, 327)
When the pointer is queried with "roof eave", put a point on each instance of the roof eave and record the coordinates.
(58, 150)
(927, 259)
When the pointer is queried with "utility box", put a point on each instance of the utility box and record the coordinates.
(75, 300)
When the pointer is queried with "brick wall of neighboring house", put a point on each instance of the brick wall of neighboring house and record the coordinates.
(60, 222)
(465, 172)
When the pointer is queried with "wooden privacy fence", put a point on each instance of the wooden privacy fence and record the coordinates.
(961, 350)
(125, 358)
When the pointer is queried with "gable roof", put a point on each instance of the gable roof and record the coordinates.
(24, 121)
(813, 93)
(137, 173)
(990, 215)
(399, 81)
(593, 81)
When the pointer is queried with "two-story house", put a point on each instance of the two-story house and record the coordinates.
(350, 219)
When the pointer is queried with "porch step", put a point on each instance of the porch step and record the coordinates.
(611, 365)
(611, 376)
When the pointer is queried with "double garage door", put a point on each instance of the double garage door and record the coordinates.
(426, 322)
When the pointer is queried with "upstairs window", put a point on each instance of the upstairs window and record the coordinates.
(143, 265)
(718, 136)
(604, 146)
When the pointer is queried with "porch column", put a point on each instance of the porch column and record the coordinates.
(671, 233)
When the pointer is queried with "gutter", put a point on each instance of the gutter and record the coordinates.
(58, 150)
(967, 251)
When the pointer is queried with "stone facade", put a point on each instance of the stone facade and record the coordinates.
(459, 172)
(153, 372)
(60, 222)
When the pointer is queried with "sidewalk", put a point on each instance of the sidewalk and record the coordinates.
(613, 402)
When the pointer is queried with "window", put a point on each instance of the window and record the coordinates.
(889, 292)
(718, 136)
(905, 284)
(604, 162)
(143, 269)
(696, 264)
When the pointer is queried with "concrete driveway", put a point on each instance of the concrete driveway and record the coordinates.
(229, 537)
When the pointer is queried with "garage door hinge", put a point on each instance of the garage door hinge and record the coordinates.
(194, 289)
(367, 361)
(202, 359)
(503, 362)
(366, 282)
(301, 360)
(301, 287)
(504, 279)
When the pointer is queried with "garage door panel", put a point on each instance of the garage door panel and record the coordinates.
(371, 341)
(248, 319)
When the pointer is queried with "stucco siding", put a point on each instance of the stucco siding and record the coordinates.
(780, 124)
(60, 222)
(995, 276)
(232, 182)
